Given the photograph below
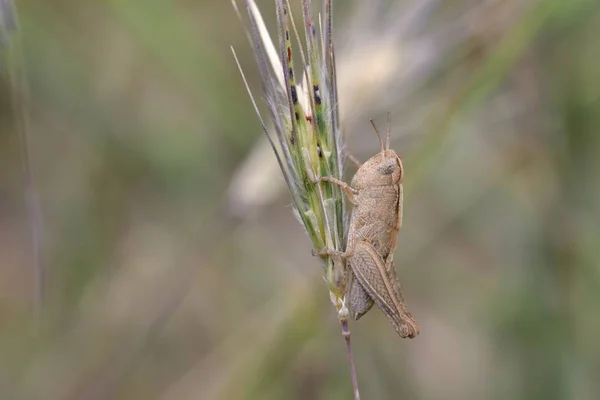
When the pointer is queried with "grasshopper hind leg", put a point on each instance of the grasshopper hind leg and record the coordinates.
(358, 299)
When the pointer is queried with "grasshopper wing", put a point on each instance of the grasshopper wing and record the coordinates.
(378, 278)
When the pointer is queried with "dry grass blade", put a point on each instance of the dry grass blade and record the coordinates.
(12, 61)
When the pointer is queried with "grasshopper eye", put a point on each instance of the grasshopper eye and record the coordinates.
(389, 167)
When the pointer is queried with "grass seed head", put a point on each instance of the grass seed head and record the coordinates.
(301, 98)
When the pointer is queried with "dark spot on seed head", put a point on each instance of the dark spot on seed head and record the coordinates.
(294, 94)
(317, 97)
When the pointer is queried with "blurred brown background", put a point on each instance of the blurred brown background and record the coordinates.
(174, 268)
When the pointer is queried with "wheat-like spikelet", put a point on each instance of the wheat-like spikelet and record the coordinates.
(305, 134)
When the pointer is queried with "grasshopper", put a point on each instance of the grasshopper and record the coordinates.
(376, 193)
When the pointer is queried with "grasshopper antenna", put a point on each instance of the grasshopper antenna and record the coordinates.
(378, 135)
(389, 130)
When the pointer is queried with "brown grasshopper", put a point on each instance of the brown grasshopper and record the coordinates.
(376, 193)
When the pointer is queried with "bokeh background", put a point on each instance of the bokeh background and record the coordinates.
(173, 266)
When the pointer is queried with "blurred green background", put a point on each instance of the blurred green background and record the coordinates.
(174, 268)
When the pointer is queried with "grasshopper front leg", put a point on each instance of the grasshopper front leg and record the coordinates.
(350, 192)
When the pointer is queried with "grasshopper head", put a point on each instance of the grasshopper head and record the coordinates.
(382, 169)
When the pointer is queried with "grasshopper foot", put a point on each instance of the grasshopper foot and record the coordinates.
(326, 252)
(332, 253)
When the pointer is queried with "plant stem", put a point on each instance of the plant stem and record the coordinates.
(346, 334)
